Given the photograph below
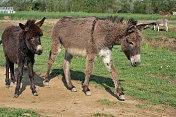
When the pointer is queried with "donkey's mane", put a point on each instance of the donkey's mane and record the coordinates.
(30, 23)
(116, 19)
(113, 19)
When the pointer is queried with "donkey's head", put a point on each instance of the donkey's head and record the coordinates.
(130, 44)
(32, 34)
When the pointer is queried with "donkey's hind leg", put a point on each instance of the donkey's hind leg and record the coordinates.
(12, 72)
(7, 73)
(55, 50)
(89, 66)
(66, 67)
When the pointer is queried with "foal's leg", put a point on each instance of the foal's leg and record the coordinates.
(89, 66)
(19, 78)
(55, 50)
(66, 67)
(7, 73)
(31, 76)
(12, 72)
(108, 61)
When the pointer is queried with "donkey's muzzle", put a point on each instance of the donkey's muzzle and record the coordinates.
(135, 60)
(39, 49)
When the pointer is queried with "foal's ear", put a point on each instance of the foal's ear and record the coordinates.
(40, 23)
(23, 27)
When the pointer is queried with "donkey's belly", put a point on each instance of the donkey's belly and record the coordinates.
(77, 52)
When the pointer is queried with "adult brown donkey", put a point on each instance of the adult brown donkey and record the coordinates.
(20, 43)
(90, 37)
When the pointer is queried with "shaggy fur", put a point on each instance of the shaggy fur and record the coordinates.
(20, 43)
(90, 37)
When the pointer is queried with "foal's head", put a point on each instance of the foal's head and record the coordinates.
(32, 34)
(131, 41)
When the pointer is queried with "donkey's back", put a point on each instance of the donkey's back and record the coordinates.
(76, 38)
(9, 41)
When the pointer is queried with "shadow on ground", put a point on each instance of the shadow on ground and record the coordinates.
(107, 83)
(38, 80)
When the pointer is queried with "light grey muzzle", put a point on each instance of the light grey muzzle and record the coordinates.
(39, 49)
(135, 60)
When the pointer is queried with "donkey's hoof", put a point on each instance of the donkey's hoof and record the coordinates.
(15, 96)
(122, 97)
(7, 86)
(35, 94)
(46, 83)
(74, 89)
(14, 82)
(88, 93)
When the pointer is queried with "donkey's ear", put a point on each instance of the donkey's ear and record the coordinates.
(130, 29)
(132, 22)
(23, 27)
(40, 23)
(144, 26)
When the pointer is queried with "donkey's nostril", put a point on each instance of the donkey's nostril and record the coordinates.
(135, 60)
(39, 49)
(39, 52)
(136, 64)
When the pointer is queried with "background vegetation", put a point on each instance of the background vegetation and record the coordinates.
(93, 6)
(21, 15)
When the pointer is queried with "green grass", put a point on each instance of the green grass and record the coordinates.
(150, 34)
(12, 112)
(57, 15)
(154, 80)
(106, 102)
(102, 115)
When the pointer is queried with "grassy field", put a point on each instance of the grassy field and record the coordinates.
(12, 112)
(57, 15)
(154, 80)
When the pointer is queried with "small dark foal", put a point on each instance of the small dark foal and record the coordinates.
(20, 43)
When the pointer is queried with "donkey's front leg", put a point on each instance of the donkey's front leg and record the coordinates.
(19, 78)
(89, 66)
(108, 61)
(31, 76)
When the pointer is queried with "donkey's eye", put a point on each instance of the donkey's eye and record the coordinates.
(131, 43)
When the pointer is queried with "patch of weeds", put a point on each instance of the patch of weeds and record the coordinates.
(102, 115)
(147, 46)
(174, 41)
(13, 112)
(124, 104)
(160, 47)
(106, 102)
(144, 106)
(159, 110)
(139, 105)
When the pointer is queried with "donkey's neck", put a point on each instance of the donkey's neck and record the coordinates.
(114, 33)
(22, 47)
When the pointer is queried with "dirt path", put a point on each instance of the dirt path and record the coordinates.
(57, 101)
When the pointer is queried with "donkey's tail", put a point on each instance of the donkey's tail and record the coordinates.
(0, 42)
